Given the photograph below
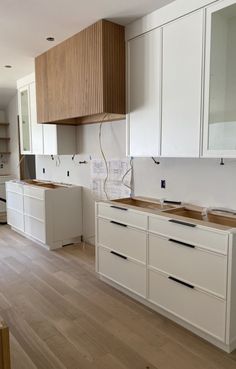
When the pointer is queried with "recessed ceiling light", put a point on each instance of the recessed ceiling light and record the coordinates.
(8, 66)
(50, 39)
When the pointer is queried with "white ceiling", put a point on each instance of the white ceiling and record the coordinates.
(25, 24)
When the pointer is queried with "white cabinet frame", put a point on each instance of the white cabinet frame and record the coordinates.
(206, 152)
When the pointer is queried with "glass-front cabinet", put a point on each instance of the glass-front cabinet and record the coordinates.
(24, 114)
(220, 81)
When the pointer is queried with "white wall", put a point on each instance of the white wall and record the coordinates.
(199, 181)
(11, 115)
(114, 145)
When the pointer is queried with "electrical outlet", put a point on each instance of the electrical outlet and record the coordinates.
(163, 183)
(44, 170)
(68, 173)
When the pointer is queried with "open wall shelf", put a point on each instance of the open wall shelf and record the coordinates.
(4, 139)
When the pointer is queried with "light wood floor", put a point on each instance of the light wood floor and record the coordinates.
(61, 316)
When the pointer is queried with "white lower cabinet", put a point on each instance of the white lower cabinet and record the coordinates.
(122, 270)
(35, 228)
(200, 309)
(15, 205)
(182, 270)
(123, 239)
(183, 261)
(41, 213)
(15, 219)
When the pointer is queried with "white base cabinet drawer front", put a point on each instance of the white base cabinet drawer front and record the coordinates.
(34, 207)
(201, 268)
(15, 201)
(123, 239)
(35, 229)
(188, 232)
(15, 219)
(123, 271)
(123, 215)
(14, 187)
(202, 310)
(34, 191)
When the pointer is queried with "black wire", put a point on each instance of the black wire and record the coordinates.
(155, 161)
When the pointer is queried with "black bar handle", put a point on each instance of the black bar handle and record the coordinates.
(119, 224)
(182, 243)
(182, 223)
(172, 202)
(181, 282)
(119, 208)
(119, 255)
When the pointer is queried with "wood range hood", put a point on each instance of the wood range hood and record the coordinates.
(82, 80)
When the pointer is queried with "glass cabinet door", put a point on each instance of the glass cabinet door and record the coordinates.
(25, 120)
(220, 89)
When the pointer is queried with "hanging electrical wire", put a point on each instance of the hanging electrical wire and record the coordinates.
(104, 157)
(58, 161)
(155, 161)
(126, 173)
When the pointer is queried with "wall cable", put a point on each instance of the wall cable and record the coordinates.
(104, 157)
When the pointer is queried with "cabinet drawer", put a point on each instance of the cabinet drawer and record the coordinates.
(123, 215)
(123, 239)
(14, 187)
(35, 228)
(34, 207)
(122, 271)
(15, 219)
(15, 201)
(200, 309)
(198, 236)
(201, 268)
(34, 191)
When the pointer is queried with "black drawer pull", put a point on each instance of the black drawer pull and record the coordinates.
(181, 282)
(182, 243)
(172, 202)
(119, 255)
(119, 208)
(182, 223)
(119, 224)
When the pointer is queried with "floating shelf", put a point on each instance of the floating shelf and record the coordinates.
(5, 152)
(4, 124)
(5, 138)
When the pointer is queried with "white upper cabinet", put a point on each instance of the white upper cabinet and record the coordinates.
(59, 139)
(182, 86)
(35, 138)
(144, 94)
(36, 129)
(220, 81)
(25, 120)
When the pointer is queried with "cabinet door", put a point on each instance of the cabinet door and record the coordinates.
(59, 139)
(220, 91)
(182, 86)
(37, 129)
(24, 115)
(50, 139)
(144, 97)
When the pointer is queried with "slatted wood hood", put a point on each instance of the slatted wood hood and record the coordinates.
(82, 80)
